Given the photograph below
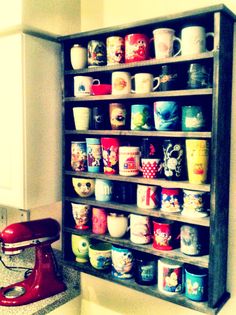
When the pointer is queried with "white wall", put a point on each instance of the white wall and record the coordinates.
(100, 297)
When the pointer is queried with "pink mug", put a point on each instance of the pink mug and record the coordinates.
(150, 167)
(164, 234)
(136, 47)
(99, 221)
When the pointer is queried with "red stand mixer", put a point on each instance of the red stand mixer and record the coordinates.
(43, 281)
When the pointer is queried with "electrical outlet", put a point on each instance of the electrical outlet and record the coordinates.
(24, 215)
(3, 218)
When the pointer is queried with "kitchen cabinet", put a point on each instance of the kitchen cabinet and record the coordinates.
(29, 120)
(216, 98)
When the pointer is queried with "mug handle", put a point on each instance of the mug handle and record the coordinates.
(131, 79)
(157, 84)
(212, 35)
(177, 39)
(96, 82)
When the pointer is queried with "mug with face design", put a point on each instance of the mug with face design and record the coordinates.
(80, 247)
(115, 50)
(96, 53)
(81, 215)
(117, 113)
(84, 187)
(136, 47)
(122, 262)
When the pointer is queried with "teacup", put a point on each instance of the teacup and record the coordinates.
(84, 187)
(117, 225)
(100, 255)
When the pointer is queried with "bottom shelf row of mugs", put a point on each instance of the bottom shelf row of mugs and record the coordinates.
(171, 277)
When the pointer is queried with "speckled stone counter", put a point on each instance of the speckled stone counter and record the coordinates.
(71, 278)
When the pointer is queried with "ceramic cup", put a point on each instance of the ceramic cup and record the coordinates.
(103, 189)
(166, 115)
(94, 155)
(121, 82)
(96, 53)
(145, 83)
(145, 270)
(99, 118)
(99, 221)
(82, 85)
(170, 276)
(115, 50)
(129, 161)
(81, 215)
(125, 192)
(78, 57)
(193, 40)
(150, 167)
(84, 187)
(164, 234)
(191, 239)
(193, 118)
(122, 262)
(174, 153)
(197, 151)
(117, 114)
(147, 196)
(81, 117)
(170, 200)
(148, 148)
(78, 156)
(194, 203)
(141, 117)
(110, 155)
(140, 229)
(100, 255)
(117, 225)
(196, 283)
(198, 76)
(169, 78)
(164, 39)
(80, 247)
(136, 47)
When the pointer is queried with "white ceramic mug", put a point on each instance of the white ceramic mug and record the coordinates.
(193, 39)
(140, 229)
(81, 117)
(144, 83)
(164, 39)
(117, 225)
(121, 82)
(147, 196)
(82, 85)
(129, 161)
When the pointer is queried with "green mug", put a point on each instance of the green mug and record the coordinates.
(193, 118)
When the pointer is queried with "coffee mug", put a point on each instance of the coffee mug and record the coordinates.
(196, 283)
(117, 225)
(84, 187)
(198, 76)
(94, 155)
(81, 215)
(193, 40)
(136, 47)
(122, 262)
(150, 167)
(80, 247)
(164, 233)
(117, 114)
(99, 118)
(121, 82)
(99, 221)
(148, 148)
(170, 200)
(191, 239)
(140, 229)
(144, 83)
(164, 39)
(81, 117)
(147, 196)
(169, 78)
(96, 53)
(100, 255)
(166, 115)
(195, 203)
(103, 189)
(78, 156)
(193, 118)
(78, 57)
(110, 155)
(141, 117)
(82, 85)
(125, 192)
(129, 160)
(145, 270)
(115, 50)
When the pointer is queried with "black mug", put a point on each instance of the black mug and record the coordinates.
(168, 78)
(99, 118)
(125, 192)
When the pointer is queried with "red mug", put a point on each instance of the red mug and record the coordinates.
(110, 155)
(136, 47)
(164, 234)
(150, 167)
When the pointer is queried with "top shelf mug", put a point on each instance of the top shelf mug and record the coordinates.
(164, 39)
(136, 48)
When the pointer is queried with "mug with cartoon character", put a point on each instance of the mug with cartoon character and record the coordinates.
(110, 155)
(117, 114)
(80, 247)
(136, 47)
(140, 229)
(84, 187)
(81, 215)
(195, 203)
(170, 276)
(78, 156)
(121, 82)
(164, 234)
(115, 50)
(94, 155)
(96, 53)
(141, 117)
(122, 262)
(129, 160)
(99, 221)
(196, 283)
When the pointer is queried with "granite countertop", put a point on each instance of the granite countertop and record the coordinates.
(70, 276)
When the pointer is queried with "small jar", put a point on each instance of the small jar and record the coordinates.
(78, 57)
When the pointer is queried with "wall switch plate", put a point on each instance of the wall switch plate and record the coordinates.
(3, 218)
(24, 215)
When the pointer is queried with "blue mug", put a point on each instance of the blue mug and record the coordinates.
(196, 283)
(166, 115)
(122, 262)
(103, 189)
(94, 155)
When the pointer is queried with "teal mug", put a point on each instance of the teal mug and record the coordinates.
(193, 118)
(196, 283)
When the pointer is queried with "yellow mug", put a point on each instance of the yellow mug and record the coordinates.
(197, 160)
